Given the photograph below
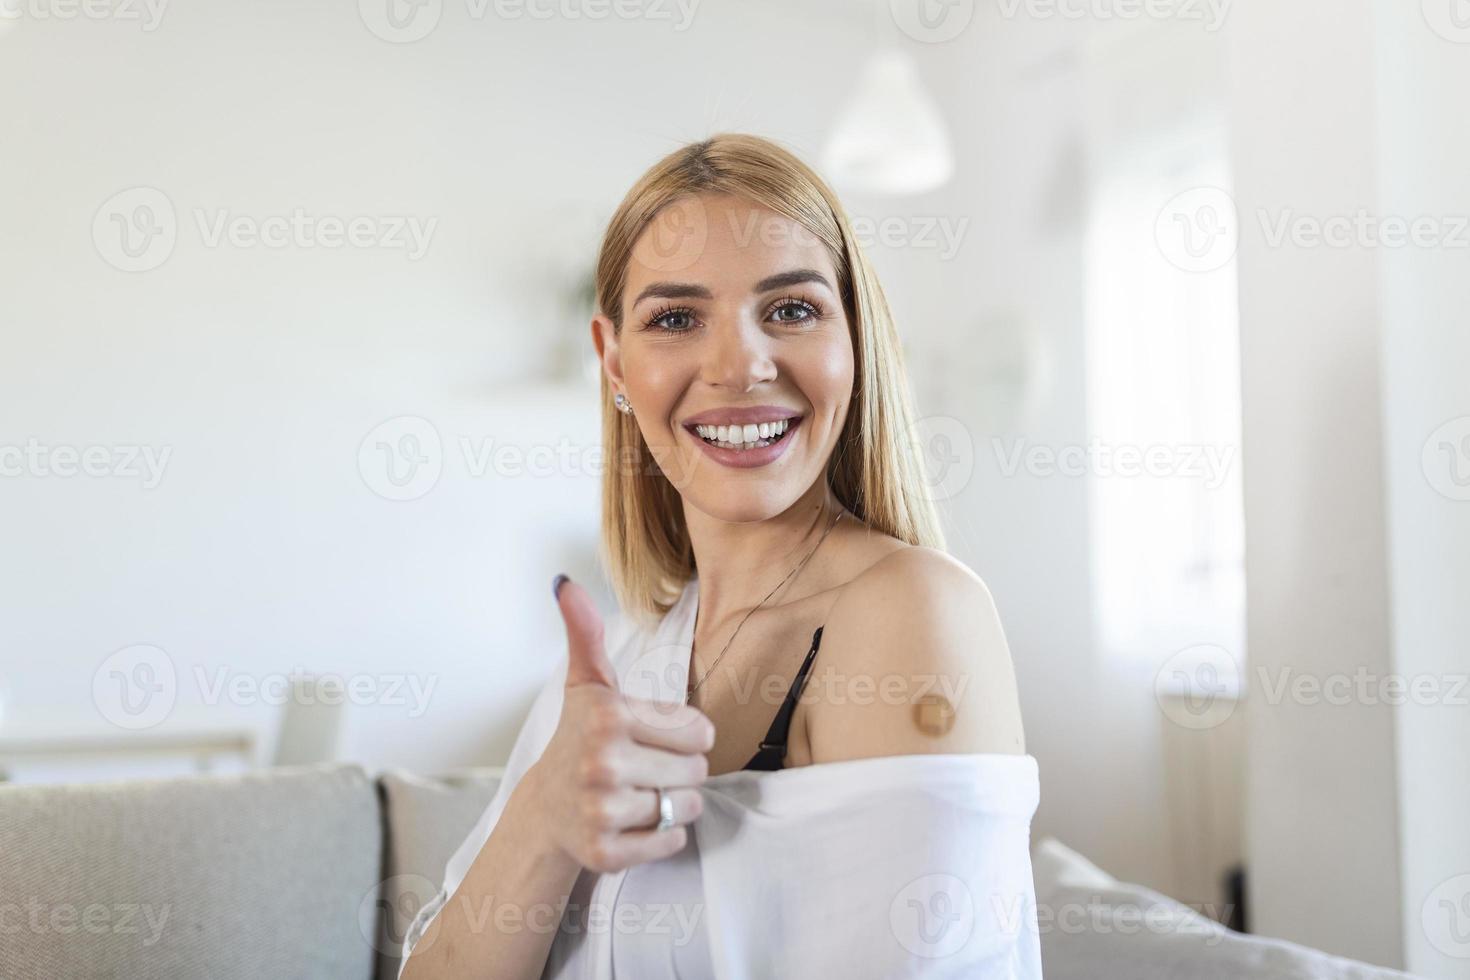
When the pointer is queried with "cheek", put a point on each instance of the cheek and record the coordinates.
(826, 375)
(654, 383)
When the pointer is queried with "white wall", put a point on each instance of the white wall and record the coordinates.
(1425, 140)
(1353, 363)
(1321, 825)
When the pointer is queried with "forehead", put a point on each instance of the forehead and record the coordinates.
(722, 242)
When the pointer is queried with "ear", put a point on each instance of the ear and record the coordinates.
(605, 340)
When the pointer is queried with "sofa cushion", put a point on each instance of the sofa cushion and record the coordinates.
(427, 818)
(262, 874)
(1094, 927)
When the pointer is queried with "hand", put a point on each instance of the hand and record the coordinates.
(595, 780)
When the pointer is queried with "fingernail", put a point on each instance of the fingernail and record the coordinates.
(556, 584)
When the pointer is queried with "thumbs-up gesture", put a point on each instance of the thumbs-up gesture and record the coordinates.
(598, 775)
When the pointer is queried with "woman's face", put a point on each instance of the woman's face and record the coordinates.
(731, 317)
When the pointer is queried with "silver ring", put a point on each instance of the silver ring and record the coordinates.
(665, 810)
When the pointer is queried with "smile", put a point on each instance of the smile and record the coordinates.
(744, 437)
(747, 445)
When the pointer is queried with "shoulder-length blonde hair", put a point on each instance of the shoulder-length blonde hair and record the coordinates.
(873, 470)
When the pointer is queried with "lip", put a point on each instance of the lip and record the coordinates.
(745, 459)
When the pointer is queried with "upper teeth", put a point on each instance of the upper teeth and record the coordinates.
(742, 433)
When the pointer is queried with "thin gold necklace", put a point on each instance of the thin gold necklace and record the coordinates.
(789, 574)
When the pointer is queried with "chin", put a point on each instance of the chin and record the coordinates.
(733, 507)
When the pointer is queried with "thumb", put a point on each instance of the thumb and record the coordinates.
(587, 661)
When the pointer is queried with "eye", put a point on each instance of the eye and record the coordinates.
(794, 310)
(672, 320)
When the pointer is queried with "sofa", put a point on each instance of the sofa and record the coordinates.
(316, 871)
(299, 871)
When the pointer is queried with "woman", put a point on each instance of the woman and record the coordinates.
(761, 505)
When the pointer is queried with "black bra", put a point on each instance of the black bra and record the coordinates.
(772, 752)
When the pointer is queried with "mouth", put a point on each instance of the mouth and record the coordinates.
(745, 438)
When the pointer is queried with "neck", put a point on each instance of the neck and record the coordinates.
(740, 563)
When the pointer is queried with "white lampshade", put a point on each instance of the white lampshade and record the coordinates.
(890, 138)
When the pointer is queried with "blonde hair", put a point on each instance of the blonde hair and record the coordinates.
(873, 470)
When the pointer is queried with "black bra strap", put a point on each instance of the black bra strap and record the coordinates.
(772, 753)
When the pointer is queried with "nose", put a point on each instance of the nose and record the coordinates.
(738, 356)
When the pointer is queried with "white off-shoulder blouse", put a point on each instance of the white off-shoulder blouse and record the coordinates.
(897, 866)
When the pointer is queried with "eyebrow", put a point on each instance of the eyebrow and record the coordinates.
(673, 290)
(688, 290)
(792, 278)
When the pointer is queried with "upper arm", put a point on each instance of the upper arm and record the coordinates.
(913, 660)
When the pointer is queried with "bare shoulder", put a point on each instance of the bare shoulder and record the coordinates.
(914, 661)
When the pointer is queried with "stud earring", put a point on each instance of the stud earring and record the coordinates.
(624, 406)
